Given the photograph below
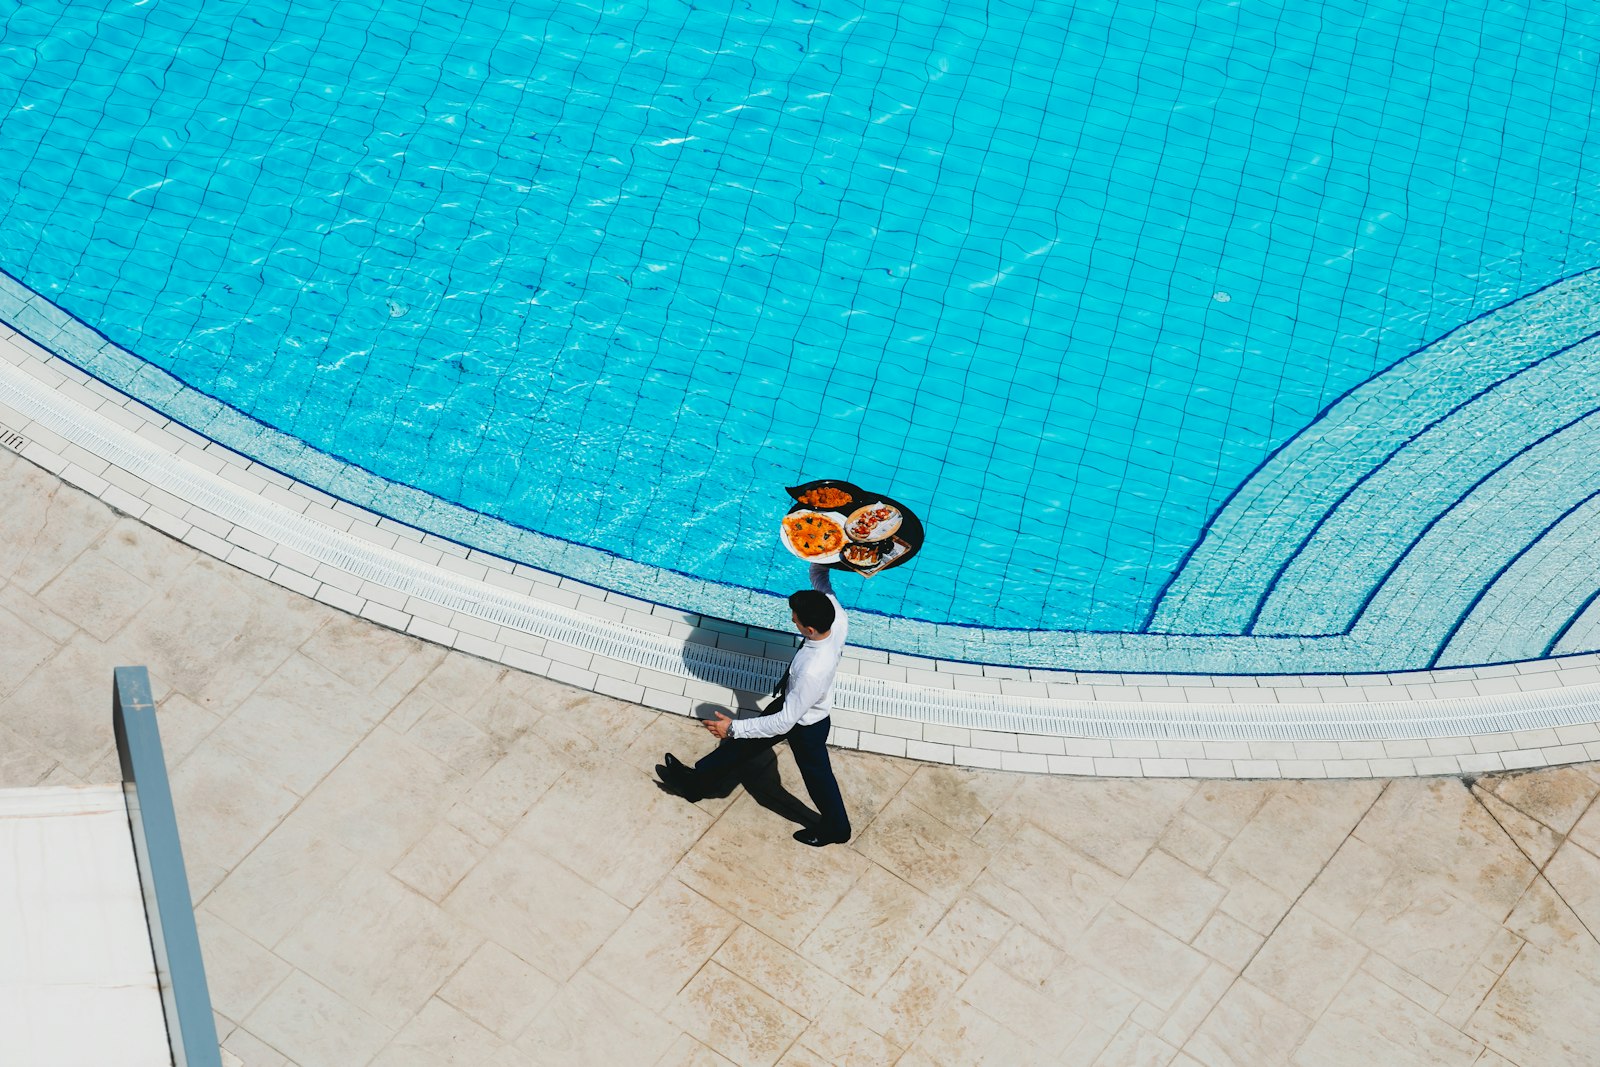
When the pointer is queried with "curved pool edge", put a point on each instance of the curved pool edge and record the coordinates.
(1458, 721)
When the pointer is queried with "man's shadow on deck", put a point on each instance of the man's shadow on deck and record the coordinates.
(759, 775)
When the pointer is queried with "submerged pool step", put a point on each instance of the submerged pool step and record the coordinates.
(1306, 541)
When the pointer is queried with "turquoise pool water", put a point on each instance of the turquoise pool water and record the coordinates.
(1059, 276)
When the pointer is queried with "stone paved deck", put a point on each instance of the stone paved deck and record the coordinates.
(403, 855)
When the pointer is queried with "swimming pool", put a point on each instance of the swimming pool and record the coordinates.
(1065, 278)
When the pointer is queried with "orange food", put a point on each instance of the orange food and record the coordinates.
(813, 535)
(825, 496)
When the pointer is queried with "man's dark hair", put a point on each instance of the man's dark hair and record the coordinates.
(813, 609)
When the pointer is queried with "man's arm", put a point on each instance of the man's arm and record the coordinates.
(822, 579)
(803, 693)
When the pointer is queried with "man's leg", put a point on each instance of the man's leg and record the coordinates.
(810, 747)
(716, 767)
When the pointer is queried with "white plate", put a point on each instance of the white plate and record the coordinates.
(881, 532)
(832, 516)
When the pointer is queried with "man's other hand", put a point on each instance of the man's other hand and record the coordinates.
(718, 726)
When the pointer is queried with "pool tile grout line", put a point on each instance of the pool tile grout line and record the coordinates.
(955, 724)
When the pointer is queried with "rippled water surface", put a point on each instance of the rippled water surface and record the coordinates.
(1056, 275)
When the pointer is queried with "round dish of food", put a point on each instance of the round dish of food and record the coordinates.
(814, 536)
(875, 522)
(861, 555)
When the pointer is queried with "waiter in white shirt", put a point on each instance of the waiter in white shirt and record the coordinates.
(800, 716)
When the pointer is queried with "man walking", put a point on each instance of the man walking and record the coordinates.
(800, 716)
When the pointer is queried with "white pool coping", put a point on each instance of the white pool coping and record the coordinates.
(1463, 721)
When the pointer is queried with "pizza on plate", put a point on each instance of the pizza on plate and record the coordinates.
(814, 535)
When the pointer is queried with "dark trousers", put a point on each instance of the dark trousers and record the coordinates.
(810, 747)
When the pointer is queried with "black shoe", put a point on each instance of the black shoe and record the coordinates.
(678, 778)
(816, 840)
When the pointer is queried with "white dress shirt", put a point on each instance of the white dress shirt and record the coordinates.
(808, 699)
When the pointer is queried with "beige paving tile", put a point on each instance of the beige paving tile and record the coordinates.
(687, 1052)
(24, 649)
(1114, 822)
(1540, 1011)
(19, 603)
(1192, 841)
(1555, 797)
(300, 722)
(1182, 1021)
(1425, 929)
(588, 1023)
(183, 724)
(922, 850)
(741, 1023)
(1288, 841)
(962, 799)
(360, 653)
(1041, 882)
(439, 1036)
(1574, 873)
(1171, 894)
(1141, 957)
(915, 994)
(1250, 901)
(526, 768)
(747, 863)
(1435, 827)
(1028, 956)
(281, 881)
(1134, 1046)
(212, 613)
(1586, 832)
(1228, 941)
(1371, 1023)
(44, 525)
(1347, 885)
(96, 593)
(872, 929)
(967, 932)
(1535, 840)
(499, 990)
(536, 908)
(1227, 807)
(786, 976)
(606, 810)
(48, 708)
(381, 800)
(867, 781)
(662, 944)
(438, 862)
(311, 1024)
(966, 1037)
(847, 1033)
(224, 809)
(1305, 962)
(248, 1050)
(381, 945)
(1247, 1028)
(23, 763)
(239, 972)
(461, 745)
(1044, 1022)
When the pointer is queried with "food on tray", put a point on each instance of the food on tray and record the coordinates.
(875, 522)
(813, 535)
(826, 496)
(860, 555)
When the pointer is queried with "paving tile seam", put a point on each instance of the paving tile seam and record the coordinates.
(1028, 733)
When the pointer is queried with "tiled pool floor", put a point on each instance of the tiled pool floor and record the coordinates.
(1467, 720)
(405, 855)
